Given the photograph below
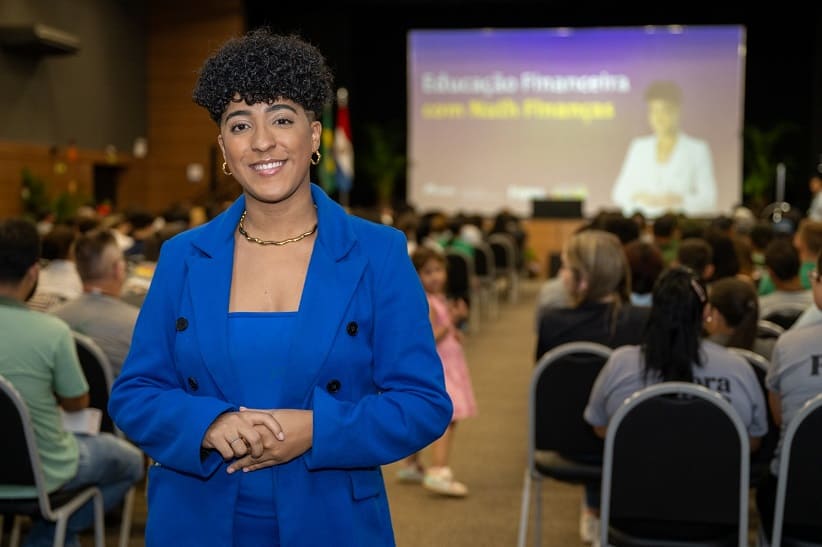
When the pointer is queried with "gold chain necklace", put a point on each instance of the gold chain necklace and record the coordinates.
(258, 241)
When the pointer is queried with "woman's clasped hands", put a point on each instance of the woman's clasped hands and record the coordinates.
(257, 438)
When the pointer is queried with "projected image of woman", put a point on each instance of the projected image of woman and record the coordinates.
(669, 170)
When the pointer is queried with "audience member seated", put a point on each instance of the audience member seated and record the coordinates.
(100, 313)
(646, 264)
(432, 230)
(698, 255)
(672, 349)
(665, 230)
(120, 227)
(595, 275)
(808, 243)
(732, 316)
(792, 379)
(782, 264)
(141, 228)
(811, 316)
(40, 360)
(506, 222)
(59, 280)
(725, 256)
(761, 235)
(140, 273)
(623, 227)
(408, 223)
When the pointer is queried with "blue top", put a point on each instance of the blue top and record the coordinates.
(259, 361)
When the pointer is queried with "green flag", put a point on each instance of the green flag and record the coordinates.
(326, 170)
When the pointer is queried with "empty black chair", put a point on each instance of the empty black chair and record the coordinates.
(561, 444)
(22, 467)
(487, 276)
(675, 470)
(505, 260)
(463, 283)
(798, 506)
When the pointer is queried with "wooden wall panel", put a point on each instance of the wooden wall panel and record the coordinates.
(179, 131)
(180, 35)
(77, 176)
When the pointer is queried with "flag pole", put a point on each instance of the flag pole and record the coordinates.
(343, 148)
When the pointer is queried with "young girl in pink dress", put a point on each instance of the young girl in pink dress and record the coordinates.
(445, 316)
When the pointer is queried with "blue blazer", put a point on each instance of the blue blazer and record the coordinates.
(364, 360)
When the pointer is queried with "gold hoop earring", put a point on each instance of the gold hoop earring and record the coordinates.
(316, 157)
(225, 169)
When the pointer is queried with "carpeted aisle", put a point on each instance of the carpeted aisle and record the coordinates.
(489, 451)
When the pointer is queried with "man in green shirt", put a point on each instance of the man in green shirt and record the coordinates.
(38, 356)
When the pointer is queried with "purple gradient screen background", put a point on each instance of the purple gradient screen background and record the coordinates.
(482, 165)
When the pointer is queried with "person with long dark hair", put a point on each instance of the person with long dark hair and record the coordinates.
(673, 350)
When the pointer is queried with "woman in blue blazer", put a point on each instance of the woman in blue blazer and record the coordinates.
(283, 353)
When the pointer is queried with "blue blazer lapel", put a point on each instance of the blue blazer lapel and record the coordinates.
(210, 274)
(326, 297)
(333, 279)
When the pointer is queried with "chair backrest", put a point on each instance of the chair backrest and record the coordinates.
(768, 329)
(762, 457)
(97, 370)
(484, 261)
(15, 428)
(460, 268)
(676, 452)
(505, 252)
(799, 486)
(786, 315)
(560, 387)
(21, 459)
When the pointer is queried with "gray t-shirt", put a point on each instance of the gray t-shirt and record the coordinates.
(106, 320)
(795, 374)
(721, 371)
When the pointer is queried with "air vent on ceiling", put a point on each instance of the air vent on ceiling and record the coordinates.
(38, 39)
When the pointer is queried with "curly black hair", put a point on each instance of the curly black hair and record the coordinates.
(264, 67)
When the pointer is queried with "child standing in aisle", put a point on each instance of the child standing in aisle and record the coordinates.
(445, 316)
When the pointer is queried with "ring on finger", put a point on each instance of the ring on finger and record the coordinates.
(231, 442)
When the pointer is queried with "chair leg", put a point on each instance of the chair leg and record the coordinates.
(524, 507)
(99, 522)
(125, 524)
(538, 512)
(60, 531)
(14, 538)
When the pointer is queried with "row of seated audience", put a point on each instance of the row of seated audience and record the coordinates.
(673, 305)
(89, 276)
(40, 360)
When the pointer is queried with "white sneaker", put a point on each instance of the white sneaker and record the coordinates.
(588, 525)
(441, 481)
